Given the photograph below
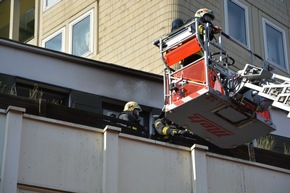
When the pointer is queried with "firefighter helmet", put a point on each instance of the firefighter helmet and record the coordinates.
(131, 105)
(176, 23)
(204, 11)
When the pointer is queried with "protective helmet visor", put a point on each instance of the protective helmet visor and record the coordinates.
(138, 108)
(136, 112)
(207, 18)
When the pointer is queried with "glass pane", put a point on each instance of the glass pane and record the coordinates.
(5, 19)
(27, 20)
(55, 43)
(81, 37)
(50, 2)
(275, 47)
(237, 22)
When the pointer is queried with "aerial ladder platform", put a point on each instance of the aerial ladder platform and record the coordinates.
(206, 97)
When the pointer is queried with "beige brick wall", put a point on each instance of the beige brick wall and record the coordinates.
(62, 12)
(128, 29)
(125, 29)
(277, 9)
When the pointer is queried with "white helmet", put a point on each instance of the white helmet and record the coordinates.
(204, 11)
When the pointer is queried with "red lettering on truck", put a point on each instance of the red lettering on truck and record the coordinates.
(210, 126)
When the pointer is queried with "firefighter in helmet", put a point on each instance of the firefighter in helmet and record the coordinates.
(207, 16)
(131, 112)
(176, 23)
(204, 16)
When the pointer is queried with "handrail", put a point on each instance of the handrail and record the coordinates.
(239, 43)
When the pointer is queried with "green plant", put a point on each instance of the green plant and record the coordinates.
(286, 149)
(56, 102)
(266, 142)
(12, 90)
(35, 93)
(6, 90)
(3, 87)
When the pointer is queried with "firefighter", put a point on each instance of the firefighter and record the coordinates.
(176, 23)
(205, 16)
(131, 112)
(166, 128)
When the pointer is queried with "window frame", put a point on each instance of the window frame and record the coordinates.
(46, 7)
(53, 35)
(56, 93)
(279, 29)
(238, 3)
(71, 24)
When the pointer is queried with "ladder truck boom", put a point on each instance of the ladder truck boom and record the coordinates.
(271, 87)
(227, 109)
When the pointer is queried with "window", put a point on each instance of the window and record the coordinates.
(81, 35)
(55, 41)
(49, 3)
(275, 45)
(85, 101)
(26, 30)
(7, 85)
(34, 90)
(236, 16)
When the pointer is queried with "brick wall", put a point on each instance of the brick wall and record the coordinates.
(125, 30)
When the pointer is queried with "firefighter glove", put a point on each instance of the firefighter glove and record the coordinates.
(184, 132)
(174, 132)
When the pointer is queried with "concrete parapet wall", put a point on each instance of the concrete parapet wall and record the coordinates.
(57, 156)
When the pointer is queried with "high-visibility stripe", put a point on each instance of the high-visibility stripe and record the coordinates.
(187, 98)
(164, 130)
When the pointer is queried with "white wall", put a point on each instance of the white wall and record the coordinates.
(69, 157)
(155, 168)
(59, 156)
(233, 175)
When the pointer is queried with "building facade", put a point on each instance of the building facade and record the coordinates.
(122, 32)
